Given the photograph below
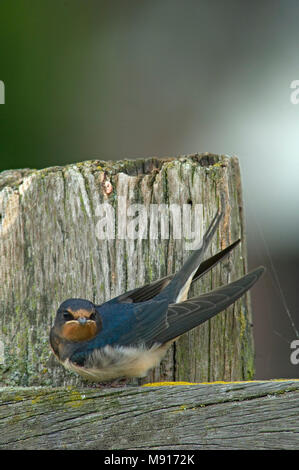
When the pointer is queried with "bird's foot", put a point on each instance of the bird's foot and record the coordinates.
(114, 384)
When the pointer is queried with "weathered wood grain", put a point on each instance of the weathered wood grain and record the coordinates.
(248, 415)
(50, 250)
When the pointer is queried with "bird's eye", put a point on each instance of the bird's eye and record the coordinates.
(67, 316)
(92, 316)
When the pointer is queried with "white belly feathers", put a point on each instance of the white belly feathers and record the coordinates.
(113, 362)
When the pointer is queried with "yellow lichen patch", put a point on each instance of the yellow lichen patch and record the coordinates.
(218, 164)
(284, 380)
(74, 404)
(162, 384)
(76, 398)
(180, 409)
(35, 400)
(18, 398)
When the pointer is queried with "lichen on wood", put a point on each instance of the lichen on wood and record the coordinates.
(248, 415)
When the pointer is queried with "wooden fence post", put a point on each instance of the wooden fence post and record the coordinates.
(53, 224)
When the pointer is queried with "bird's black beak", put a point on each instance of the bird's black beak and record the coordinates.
(82, 320)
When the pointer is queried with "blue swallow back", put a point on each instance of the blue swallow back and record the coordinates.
(128, 335)
(125, 325)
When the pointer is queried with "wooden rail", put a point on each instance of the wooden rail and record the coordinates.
(237, 415)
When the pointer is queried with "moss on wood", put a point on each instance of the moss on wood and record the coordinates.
(241, 415)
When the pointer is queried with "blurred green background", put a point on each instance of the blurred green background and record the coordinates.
(91, 79)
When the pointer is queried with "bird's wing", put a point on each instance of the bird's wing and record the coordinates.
(180, 283)
(157, 322)
(184, 316)
(148, 291)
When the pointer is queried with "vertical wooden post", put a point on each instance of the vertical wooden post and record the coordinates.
(53, 247)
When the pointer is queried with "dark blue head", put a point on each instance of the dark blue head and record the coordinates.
(77, 304)
(77, 320)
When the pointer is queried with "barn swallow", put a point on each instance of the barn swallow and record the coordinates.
(128, 335)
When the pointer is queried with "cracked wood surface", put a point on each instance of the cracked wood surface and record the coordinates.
(244, 415)
(50, 250)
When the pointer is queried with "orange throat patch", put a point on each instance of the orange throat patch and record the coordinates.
(74, 331)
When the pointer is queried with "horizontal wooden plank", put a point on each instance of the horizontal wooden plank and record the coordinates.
(237, 415)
